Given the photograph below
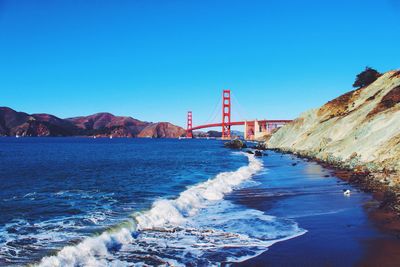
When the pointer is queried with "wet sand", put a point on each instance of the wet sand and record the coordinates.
(342, 231)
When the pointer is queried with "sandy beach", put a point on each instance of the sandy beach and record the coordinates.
(342, 230)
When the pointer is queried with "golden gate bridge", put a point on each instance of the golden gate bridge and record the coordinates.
(253, 129)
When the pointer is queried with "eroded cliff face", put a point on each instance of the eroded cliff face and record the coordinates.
(359, 130)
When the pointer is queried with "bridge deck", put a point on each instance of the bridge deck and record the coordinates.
(237, 123)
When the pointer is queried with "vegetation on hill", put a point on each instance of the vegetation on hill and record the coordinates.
(366, 77)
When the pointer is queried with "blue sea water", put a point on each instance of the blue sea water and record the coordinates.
(124, 202)
(166, 202)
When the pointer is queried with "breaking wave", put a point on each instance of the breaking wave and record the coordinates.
(198, 228)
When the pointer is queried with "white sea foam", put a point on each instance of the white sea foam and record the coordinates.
(197, 226)
(22, 240)
(92, 251)
(173, 212)
(222, 232)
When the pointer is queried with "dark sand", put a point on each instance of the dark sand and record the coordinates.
(342, 231)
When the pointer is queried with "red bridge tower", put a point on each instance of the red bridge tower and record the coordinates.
(226, 114)
(189, 133)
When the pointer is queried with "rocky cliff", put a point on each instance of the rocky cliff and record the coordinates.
(106, 124)
(163, 130)
(14, 123)
(19, 123)
(359, 130)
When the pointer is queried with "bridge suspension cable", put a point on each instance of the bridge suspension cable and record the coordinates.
(215, 112)
(238, 109)
(253, 128)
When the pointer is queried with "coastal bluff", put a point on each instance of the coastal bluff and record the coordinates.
(359, 131)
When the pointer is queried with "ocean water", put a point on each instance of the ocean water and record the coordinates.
(131, 202)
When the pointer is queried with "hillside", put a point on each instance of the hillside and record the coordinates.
(162, 129)
(14, 123)
(359, 130)
(106, 124)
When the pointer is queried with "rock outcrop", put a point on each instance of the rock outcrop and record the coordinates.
(10, 120)
(359, 130)
(162, 130)
(14, 123)
(235, 144)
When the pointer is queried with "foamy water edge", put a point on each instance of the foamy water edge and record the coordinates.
(97, 250)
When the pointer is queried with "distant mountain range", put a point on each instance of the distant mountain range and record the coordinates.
(14, 123)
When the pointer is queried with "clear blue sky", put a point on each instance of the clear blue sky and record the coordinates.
(154, 60)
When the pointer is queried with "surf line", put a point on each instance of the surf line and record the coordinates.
(164, 213)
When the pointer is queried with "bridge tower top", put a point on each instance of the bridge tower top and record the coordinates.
(226, 114)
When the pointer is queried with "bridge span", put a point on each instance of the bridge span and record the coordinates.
(253, 129)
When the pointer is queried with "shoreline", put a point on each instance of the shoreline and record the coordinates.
(385, 213)
(378, 250)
